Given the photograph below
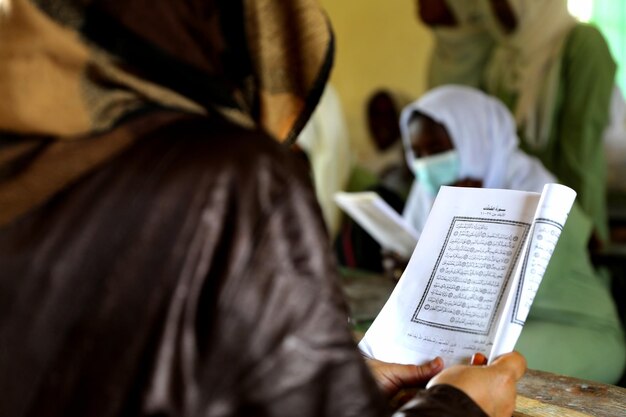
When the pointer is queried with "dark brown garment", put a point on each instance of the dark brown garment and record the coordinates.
(191, 276)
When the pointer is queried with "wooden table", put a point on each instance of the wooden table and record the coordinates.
(541, 394)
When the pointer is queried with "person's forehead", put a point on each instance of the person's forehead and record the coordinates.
(433, 12)
(382, 102)
(429, 131)
(430, 125)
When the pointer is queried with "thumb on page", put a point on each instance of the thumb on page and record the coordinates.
(392, 377)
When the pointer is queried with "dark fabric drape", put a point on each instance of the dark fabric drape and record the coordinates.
(185, 278)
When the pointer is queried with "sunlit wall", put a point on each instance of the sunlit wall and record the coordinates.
(379, 44)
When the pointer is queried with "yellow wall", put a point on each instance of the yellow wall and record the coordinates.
(379, 44)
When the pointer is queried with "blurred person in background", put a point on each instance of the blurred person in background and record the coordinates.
(383, 112)
(384, 173)
(555, 74)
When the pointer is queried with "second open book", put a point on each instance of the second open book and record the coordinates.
(472, 277)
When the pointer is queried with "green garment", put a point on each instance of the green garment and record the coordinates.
(574, 152)
(361, 179)
(573, 326)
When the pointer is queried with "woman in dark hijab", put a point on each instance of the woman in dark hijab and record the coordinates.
(160, 252)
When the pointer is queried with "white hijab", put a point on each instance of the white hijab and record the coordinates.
(483, 131)
(527, 62)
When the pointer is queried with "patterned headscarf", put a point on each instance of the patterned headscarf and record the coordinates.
(81, 79)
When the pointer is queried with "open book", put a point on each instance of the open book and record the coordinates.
(380, 220)
(473, 276)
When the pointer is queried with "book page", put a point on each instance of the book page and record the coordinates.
(552, 212)
(448, 300)
(380, 220)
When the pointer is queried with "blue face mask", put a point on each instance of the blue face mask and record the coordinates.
(437, 170)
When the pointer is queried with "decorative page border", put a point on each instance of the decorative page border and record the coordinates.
(515, 257)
